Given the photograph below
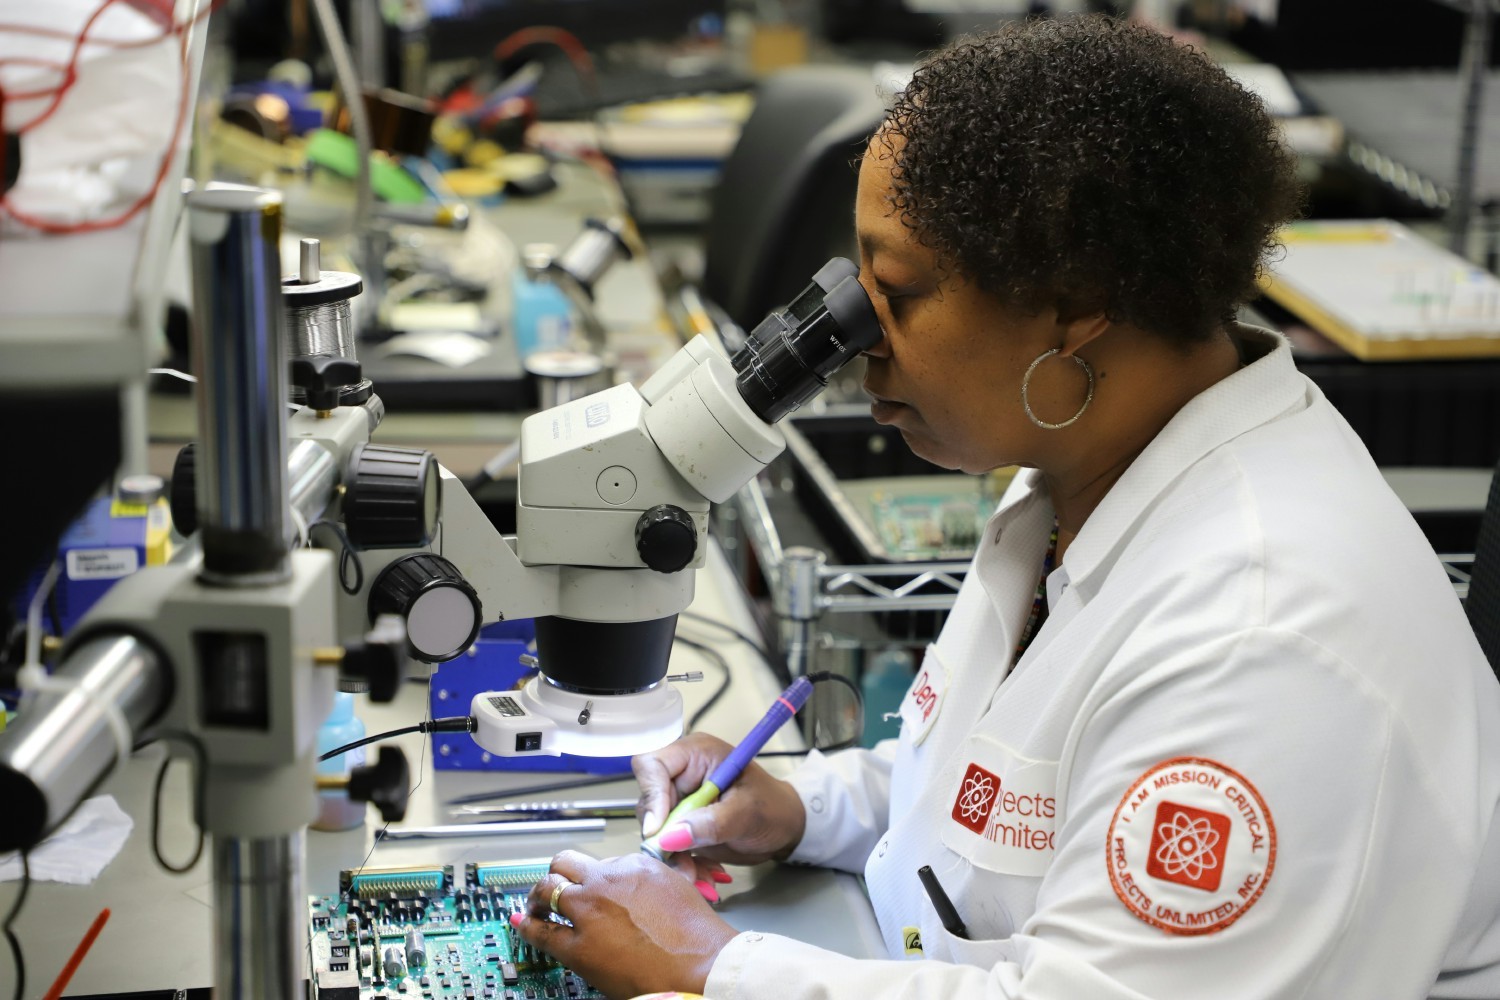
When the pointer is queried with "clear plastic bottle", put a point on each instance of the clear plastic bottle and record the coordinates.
(542, 315)
(335, 811)
(886, 677)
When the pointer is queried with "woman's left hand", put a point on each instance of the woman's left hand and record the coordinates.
(638, 926)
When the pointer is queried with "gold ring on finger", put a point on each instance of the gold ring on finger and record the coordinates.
(562, 884)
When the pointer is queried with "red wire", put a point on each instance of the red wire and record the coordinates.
(70, 71)
(564, 39)
(109, 43)
(78, 955)
(182, 32)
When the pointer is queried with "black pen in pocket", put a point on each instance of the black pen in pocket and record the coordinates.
(940, 902)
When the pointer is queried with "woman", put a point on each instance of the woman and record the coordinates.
(1206, 720)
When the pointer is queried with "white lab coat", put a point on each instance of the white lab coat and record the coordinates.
(1253, 753)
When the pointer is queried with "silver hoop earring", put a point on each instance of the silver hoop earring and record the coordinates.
(1026, 384)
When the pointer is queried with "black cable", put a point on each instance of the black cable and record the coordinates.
(709, 653)
(421, 774)
(450, 724)
(859, 715)
(9, 926)
(749, 640)
(201, 773)
(347, 555)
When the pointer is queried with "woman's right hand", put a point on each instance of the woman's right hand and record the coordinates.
(759, 818)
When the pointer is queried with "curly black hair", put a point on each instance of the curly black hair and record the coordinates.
(1092, 165)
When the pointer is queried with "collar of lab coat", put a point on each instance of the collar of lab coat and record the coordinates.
(1266, 387)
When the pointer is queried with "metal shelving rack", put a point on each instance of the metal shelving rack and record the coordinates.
(815, 600)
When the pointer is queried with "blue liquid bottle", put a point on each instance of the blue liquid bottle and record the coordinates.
(335, 811)
(542, 316)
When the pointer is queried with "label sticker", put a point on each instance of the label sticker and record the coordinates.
(924, 699)
(507, 707)
(911, 940)
(1191, 846)
(1003, 816)
(102, 564)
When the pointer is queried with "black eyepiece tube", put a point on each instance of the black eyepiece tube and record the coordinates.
(791, 354)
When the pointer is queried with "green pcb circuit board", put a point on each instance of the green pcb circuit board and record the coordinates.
(399, 933)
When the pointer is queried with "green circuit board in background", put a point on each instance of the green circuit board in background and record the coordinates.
(929, 526)
(362, 946)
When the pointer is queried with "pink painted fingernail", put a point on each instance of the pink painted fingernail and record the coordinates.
(677, 837)
(707, 891)
(723, 878)
(515, 919)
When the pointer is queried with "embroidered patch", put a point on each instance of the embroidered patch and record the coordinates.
(1191, 846)
(1004, 812)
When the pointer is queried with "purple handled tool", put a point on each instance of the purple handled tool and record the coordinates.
(731, 767)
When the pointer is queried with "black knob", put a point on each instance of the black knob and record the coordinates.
(182, 497)
(443, 613)
(666, 538)
(378, 662)
(392, 497)
(322, 376)
(384, 784)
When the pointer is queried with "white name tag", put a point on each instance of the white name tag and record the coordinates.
(102, 564)
(924, 699)
(1004, 809)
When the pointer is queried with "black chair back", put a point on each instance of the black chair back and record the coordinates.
(784, 202)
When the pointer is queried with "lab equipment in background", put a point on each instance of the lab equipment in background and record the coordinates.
(237, 648)
(320, 322)
(233, 650)
(579, 267)
(116, 536)
(541, 313)
(335, 810)
(431, 932)
(562, 376)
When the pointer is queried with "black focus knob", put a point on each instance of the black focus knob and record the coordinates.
(384, 784)
(182, 497)
(443, 613)
(666, 538)
(392, 497)
(377, 663)
(321, 377)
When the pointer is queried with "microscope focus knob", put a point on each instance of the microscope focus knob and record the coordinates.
(393, 497)
(383, 784)
(323, 377)
(442, 611)
(666, 538)
(377, 663)
(182, 495)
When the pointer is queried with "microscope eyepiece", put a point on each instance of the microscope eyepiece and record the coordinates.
(791, 354)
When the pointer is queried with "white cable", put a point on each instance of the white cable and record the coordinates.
(34, 615)
(33, 678)
(301, 523)
(172, 372)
